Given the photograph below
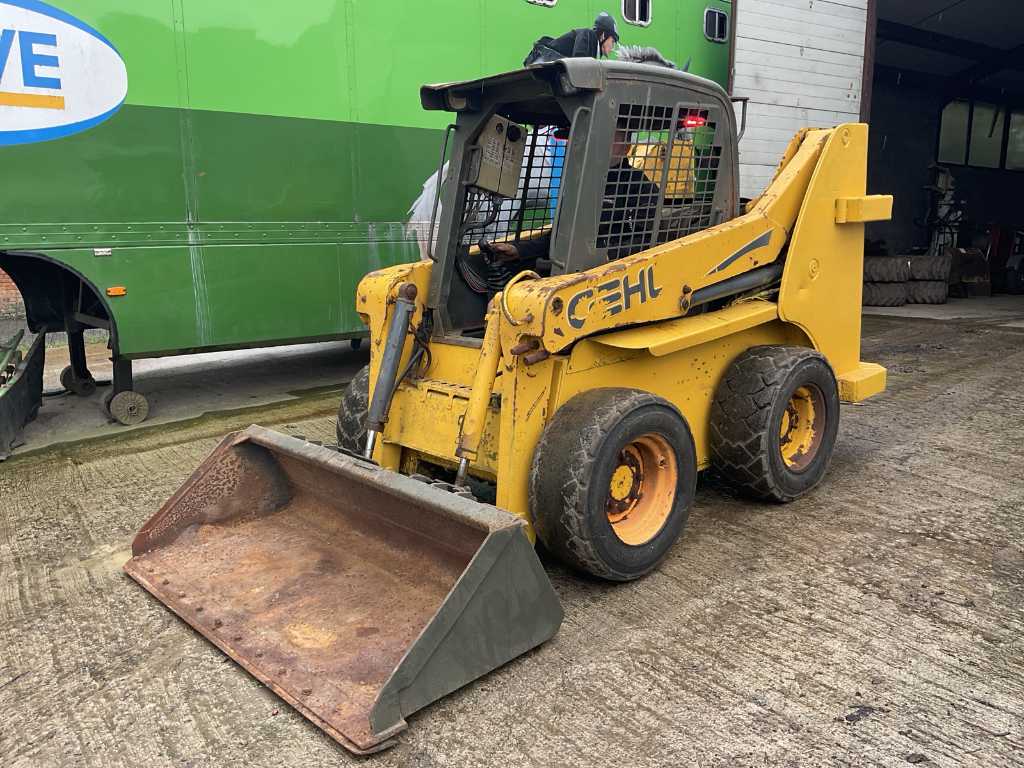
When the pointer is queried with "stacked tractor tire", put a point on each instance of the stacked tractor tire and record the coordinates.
(892, 281)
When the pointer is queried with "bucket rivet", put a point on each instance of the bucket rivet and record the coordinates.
(166, 581)
(237, 638)
(199, 609)
(218, 623)
(181, 594)
(307, 691)
(259, 654)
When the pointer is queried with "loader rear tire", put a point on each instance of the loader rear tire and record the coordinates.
(612, 481)
(355, 403)
(774, 422)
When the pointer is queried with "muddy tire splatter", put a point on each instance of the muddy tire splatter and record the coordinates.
(774, 422)
(574, 468)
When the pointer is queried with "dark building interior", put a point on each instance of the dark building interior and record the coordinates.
(947, 89)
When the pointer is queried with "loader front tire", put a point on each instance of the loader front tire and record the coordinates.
(612, 481)
(774, 422)
(355, 403)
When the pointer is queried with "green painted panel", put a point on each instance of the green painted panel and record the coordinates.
(438, 41)
(126, 169)
(181, 299)
(159, 309)
(351, 60)
(144, 35)
(240, 168)
(256, 168)
(273, 58)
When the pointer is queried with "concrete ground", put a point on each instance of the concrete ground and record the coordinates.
(179, 388)
(876, 622)
(1001, 309)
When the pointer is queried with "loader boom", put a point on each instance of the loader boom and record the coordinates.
(659, 284)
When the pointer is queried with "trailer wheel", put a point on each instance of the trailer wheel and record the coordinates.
(612, 481)
(774, 422)
(74, 385)
(355, 403)
(128, 408)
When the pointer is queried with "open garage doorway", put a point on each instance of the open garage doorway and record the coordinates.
(946, 107)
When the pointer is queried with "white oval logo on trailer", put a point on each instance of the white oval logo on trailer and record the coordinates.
(58, 75)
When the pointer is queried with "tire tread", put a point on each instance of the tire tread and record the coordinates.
(740, 416)
(355, 403)
(559, 500)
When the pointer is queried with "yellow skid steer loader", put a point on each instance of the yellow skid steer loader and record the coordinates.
(600, 320)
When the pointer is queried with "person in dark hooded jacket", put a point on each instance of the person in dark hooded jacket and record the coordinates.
(595, 42)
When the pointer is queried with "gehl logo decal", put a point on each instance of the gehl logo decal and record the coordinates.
(614, 296)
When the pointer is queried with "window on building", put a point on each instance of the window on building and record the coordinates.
(953, 132)
(637, 11)
(986, 135)
(981, 135)
(716, 25)
(1015, 143)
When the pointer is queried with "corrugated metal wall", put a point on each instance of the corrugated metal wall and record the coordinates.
(801, 63)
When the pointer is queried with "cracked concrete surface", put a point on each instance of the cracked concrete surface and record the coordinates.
(878, 619)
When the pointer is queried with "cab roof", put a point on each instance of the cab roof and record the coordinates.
(564, 77)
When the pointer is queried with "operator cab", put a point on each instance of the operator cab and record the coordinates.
(561, 167)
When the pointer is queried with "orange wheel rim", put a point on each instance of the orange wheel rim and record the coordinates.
(802, 425)
(642, 489)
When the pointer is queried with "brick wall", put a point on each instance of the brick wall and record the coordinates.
(10, 298)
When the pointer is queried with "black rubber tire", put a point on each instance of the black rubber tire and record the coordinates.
(926, 267)
(128, 408)
(886, 269)
(355, 403)
(927, 292)
(746, 418)
(884, 294)
(572, 466)
(80, 387)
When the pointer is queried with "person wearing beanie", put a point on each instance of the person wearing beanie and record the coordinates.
(595, 41)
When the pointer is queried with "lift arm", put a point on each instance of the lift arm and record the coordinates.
(549, 315)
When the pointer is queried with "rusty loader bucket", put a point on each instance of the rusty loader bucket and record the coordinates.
(359, 595)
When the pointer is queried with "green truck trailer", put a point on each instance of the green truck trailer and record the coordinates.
(196, 175)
